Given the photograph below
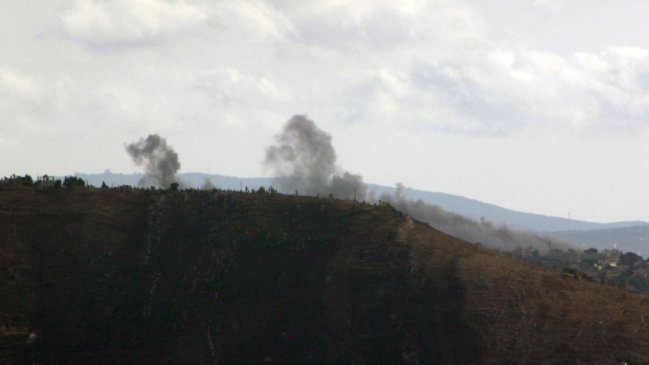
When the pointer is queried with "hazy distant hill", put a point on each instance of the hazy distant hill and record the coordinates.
(470, 208)
(633, 239)
(126, 276)
(475, 209)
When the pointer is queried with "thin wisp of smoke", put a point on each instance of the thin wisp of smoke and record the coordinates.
(484, 232)
(207, 184)
(159, 160)
(304, 160)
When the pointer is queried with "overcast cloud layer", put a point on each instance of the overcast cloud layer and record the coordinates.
(537, 105)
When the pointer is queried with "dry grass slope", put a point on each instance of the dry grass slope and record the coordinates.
(130, 276)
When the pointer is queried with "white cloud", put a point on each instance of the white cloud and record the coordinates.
(230, 86)
(382, 24)
(418, 63)
(129, 22)
(548, 4)
(237, 98)
(501, 92)
(15, 84)
(254, 19)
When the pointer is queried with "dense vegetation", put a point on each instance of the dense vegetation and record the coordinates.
(611, 267)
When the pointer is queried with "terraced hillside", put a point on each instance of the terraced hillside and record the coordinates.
(134, 276)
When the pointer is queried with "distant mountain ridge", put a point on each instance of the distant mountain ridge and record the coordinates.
(476, 209)
(468, 207)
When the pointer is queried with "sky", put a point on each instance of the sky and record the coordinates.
(536, 105)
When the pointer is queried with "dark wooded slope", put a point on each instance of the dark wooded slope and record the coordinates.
(109, 276)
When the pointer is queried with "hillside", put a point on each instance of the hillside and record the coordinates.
(134, 276)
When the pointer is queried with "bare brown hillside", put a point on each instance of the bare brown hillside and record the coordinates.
(132, 276)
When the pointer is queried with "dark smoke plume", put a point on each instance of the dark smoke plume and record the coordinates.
(304, 160)
(159, 160)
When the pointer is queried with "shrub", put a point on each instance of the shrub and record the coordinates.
(73, 181)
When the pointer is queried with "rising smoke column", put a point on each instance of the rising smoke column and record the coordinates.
(159, 160)
(304, 160)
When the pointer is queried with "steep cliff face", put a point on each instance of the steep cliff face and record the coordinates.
(109, 276)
